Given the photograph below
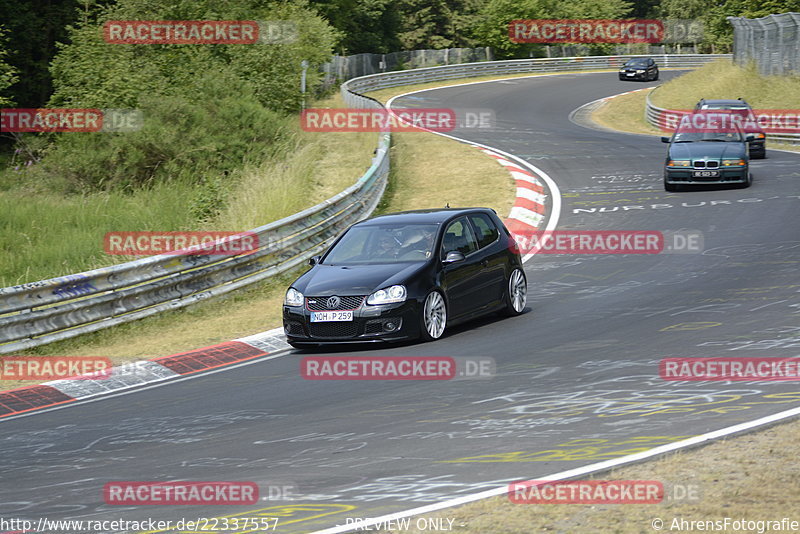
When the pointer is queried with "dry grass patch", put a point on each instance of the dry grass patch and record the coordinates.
(752, 477)
(719, 79)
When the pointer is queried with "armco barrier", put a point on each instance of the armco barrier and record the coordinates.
(519, 66)
(657, 117)
(41, 312)
(50, 310)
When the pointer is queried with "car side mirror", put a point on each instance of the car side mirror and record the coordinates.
(453, 257)
(665, 139)
(750, 137)
(313, 260)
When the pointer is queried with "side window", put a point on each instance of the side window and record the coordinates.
(458, 237)
(486, 230)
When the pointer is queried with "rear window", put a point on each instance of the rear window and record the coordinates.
(485, 229)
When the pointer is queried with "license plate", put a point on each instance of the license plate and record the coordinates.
(328, 316)
(630, 74)
(705, 174)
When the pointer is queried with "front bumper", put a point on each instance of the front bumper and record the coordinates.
(757, 147)
(727, 175)
(636, 76)
(370, 323)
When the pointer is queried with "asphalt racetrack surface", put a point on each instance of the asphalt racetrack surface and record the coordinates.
(577, 374)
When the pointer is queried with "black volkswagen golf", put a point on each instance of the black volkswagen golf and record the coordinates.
(405, 276)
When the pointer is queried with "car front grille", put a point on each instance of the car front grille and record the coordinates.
(702, 164)
(345, 303)
(333, 329)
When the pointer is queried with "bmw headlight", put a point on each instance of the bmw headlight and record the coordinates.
(732, 162)
(678, 163)
(293, 297)
(639, 71)
(388, 295)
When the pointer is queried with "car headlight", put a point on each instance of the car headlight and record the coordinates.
(388, 295)
(679, 163)
(759, 136)
(293, 297)
(639, 71)
(622, 70)
(731, 162)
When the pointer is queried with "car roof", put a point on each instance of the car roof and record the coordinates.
(431, 216)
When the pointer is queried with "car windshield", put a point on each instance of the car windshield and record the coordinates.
(394, 243)
(636, 63)
(720, 136)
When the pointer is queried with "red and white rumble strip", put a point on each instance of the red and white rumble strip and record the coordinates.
(529, 210)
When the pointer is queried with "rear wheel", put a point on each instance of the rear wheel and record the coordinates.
(434, 316)
(516, 293)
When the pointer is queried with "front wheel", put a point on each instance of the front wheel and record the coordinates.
(516, 293)
(434, 316)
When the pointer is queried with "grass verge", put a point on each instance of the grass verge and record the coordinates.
(427, 171)
(720, 79)
(752, 477)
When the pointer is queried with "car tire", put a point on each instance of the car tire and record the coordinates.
(656, 78)
(672, 188)
(749, 181)
(433, 316)
(516, 293)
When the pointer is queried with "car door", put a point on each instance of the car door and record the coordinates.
(491, 257)
(459, 279)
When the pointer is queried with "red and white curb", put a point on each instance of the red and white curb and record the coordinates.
(28, 399)
(530, 205)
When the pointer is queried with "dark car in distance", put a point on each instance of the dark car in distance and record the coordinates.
(639, 68)
(706, 148)
(749, 122)
(405, 276)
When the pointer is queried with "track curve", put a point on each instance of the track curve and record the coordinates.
(577, 375)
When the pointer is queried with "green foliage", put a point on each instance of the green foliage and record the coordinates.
(718, 35)
(183, 138)
(363, 25)
(437, 23)
(492, 26)
(8, 74)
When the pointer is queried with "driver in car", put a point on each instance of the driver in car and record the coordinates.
(420, 242)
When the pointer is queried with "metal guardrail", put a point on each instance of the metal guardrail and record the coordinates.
(385, 80)
(664, 119)
(42, 312)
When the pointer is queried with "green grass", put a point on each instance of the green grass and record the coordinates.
(45, 234)
(722, 79)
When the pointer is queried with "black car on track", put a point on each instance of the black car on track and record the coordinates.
(639, 68)
(405, 276)
(748, 121)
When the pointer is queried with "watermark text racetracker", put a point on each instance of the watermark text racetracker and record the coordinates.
(730, 368)
(599, 492)
(200, 32)
(395, 120)
(208, 524)
(610, 242)
(54, 367)
(396, 368)
(605, 31)
(180, 243)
